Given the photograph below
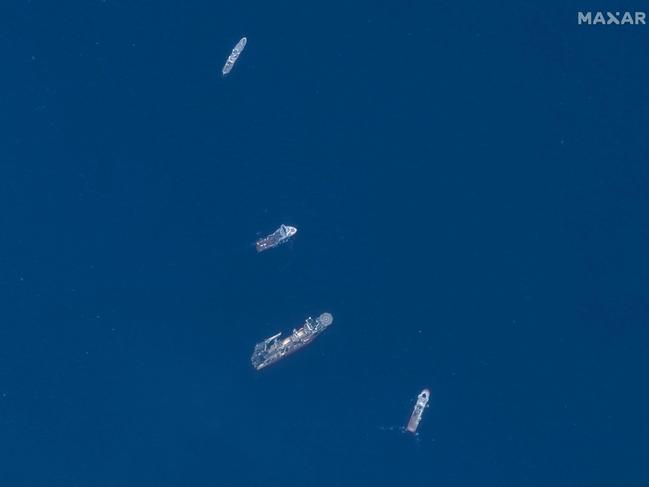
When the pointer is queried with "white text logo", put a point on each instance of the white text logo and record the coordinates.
(611, 18)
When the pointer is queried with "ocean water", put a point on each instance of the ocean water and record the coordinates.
(469, 183)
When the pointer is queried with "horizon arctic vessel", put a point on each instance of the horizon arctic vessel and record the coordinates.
(278, 237)
(274, 348)
(418, 411)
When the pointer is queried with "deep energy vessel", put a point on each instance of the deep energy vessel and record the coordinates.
(275, 348)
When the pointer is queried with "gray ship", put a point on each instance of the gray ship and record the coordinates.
(278, 237)
(275, 348)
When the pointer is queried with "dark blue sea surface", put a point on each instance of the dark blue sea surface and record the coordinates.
(470, 186)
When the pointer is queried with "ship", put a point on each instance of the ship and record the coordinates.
(418, 411)
(275, 348)
(278, 237)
